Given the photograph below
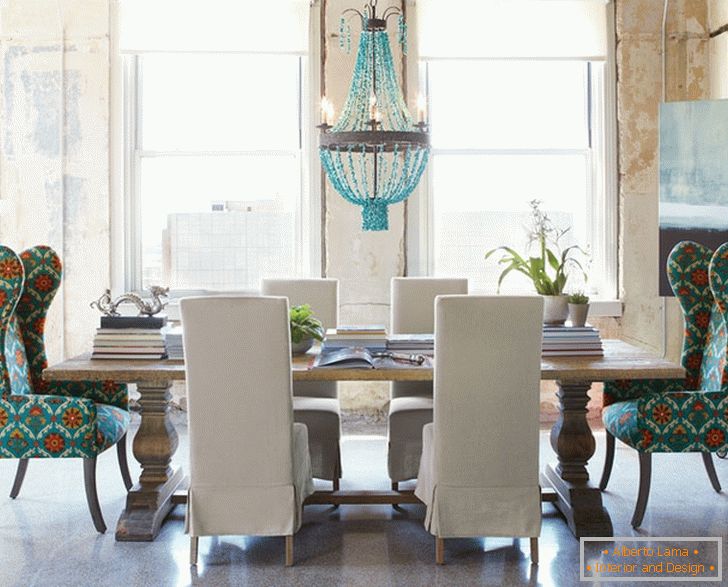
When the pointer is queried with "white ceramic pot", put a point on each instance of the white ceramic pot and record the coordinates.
(298, 348)
(555, 309)
(578, 314)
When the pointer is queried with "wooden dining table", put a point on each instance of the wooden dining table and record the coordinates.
(565, 481)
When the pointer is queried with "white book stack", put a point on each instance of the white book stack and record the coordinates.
(173, 340)
(571, 341)
(130, 338)
(345, 337)
(414, 344)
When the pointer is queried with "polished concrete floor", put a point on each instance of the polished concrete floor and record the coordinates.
(47, 539)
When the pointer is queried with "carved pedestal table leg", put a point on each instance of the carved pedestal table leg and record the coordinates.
(573, 442)
(150, 500)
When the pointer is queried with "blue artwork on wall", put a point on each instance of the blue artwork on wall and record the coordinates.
(693, 176)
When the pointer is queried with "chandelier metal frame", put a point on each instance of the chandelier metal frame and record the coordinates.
(375, 154)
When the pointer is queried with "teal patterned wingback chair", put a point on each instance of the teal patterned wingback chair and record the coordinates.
(679, 415)
(56, 419)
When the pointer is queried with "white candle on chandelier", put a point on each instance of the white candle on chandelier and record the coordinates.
(373, 107)
(327, 111)
(421, 109)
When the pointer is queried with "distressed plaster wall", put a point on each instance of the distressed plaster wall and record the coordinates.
(639, 73)
(718, 18)
(364, 262)
(54, 176)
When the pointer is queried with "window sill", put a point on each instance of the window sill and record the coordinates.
(597, 308)
(605, 309)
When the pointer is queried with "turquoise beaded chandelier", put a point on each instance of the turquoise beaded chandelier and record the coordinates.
(375, 154)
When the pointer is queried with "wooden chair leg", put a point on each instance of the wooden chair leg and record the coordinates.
(194, 544)
(608, 462)
(534, 551)
(89, 478)
(123, 462)
(19, 477)
(289, 550)
(710, 468)
(644, 491)
(439, 550)
(335, 484)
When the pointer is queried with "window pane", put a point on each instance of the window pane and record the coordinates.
(508, 104)
(481, 202)
(186, 244)
(219, 102)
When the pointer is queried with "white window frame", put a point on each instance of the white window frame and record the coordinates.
(125, 208)
(603, 207)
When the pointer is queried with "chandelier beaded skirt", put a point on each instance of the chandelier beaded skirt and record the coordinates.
(375, 155)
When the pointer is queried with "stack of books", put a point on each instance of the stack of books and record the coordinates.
(130, 337)
(414, 344)
(571, 341)
(173, 341)
(373, 338)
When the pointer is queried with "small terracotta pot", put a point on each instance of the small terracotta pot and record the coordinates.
(578, 314)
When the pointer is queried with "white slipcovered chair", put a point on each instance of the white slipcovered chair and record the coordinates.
(479, 470)
(316, 403)
(250, 468)
(413, 312)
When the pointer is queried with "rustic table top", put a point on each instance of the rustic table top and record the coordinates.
(621, 360)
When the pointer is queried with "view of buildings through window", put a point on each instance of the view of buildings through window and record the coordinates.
(218, 168)
(505, 133)
(217, 165)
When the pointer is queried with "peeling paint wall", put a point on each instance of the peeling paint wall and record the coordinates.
(640, 77)
(718, 18)
(364, 262)
(54, 176)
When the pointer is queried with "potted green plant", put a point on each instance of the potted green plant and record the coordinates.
(548, 269)
(578, 308)
(305, 329)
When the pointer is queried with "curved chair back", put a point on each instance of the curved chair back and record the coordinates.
(22, 327)
(11, 287)
(25, 356)
(43, 273)
(486, 415)
(413, 312)
(321, 294)
(323, 297)
(413, 302)
(705, 341)
(719, 288)
(238, 365)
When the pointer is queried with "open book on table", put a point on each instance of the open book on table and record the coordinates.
(363, 358)
(346, 358)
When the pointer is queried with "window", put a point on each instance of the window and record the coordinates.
(505, 132)
(216, 176)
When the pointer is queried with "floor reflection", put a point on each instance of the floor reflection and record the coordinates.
(47, 537)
